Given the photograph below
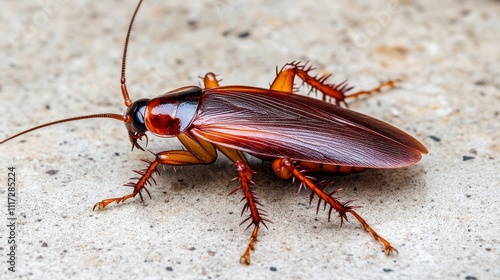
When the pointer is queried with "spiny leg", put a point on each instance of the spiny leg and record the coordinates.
(139, 186)
(285, 77)
(199, 152)
(166, 157)
(257, 214)
(285, 169)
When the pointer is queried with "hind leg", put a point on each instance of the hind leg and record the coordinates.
(284, 81)
(285, 169)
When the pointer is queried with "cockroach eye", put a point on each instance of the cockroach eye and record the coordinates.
(136, 112)
(138, 120)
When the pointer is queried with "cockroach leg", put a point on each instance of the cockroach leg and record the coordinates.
(210, 81)
(257, 214)
(146, 176)
(233, 154)
(285, 169)
(388, 84)
(387, 246)
(175, 158)
(285, 77)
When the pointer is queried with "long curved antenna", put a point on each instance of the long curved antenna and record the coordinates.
(105, 115)
(126, 97)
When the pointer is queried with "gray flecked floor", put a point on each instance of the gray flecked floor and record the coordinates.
(61, 59)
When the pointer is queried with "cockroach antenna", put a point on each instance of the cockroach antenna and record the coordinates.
(93, 116)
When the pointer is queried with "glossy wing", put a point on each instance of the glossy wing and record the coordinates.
(276, 124)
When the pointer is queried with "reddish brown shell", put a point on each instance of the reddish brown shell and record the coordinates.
(280, 125)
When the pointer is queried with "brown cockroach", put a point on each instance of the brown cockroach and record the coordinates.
(297, 133)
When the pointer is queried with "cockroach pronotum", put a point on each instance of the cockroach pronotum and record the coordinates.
(298, 134)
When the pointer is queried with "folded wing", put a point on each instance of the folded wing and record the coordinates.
(275, 124)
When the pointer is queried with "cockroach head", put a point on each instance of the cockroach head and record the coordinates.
(135, 122)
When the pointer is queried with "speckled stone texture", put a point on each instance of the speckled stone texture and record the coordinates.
(62, 58)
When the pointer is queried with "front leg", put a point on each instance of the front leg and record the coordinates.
(174, 158)
(199, 152)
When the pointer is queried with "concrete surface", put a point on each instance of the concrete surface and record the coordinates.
(61, 59)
